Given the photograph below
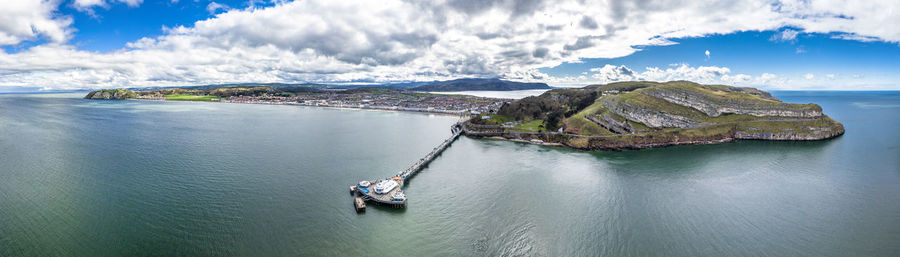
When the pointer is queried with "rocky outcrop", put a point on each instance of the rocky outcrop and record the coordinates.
(610, 123)
(111, 94)
(713, 104)
(801, 134)
(650, 117)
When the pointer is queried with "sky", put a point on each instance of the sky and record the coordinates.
(774, 45)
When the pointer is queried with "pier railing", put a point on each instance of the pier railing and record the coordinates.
(416, 167)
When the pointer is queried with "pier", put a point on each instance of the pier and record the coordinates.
(389, 191)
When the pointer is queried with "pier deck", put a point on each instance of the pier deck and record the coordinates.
(359, 204)
(396, 197)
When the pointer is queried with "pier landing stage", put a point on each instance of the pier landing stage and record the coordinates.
(389, 191)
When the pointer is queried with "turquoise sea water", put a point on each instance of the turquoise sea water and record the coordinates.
(141, 178)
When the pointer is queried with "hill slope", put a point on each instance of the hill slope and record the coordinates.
(645, 114)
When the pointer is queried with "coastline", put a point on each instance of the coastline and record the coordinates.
(356, 108)
(568, 140)
(634, 141)
(528, 141)
(541, 138)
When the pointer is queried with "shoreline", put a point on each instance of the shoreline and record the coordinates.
(645, 146)
(316, 106)
(528, 141)
(537, 138)
(562, 140)
(351, 108)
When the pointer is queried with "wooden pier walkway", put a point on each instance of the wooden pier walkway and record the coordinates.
(395, 197)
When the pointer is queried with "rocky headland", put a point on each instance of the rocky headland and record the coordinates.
(631, 115)
(111, 94)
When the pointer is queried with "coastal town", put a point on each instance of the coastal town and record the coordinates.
(360, 98)
(395, 101)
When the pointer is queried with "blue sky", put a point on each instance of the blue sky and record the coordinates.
(70, 44)
(110, 29)
(757, 52)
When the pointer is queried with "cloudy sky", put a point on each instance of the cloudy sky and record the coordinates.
(809, 44)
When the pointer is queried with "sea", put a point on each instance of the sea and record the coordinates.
(154, 178)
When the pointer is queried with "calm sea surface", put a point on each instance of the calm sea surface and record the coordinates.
(141, 178)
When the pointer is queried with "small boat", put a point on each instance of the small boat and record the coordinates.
(364, 184)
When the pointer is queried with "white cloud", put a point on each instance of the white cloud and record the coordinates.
(213, 7)
(30, 20)
(702, 74)
(613, 73)
(319, 40)
(809, 76)
(787, 35)
(830, 76)
(855, 37)
(88, 5)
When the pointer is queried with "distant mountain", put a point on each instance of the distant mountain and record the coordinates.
(477, 85)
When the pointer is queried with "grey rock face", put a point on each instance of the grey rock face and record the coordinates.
(649, 117)
(716, 107)
(808, 133)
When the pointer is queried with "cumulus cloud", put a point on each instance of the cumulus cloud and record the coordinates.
(787, 35)
(702, 74)
(588, 23)
(610, 73)
(31, 20)
(356, 40)
(809, 76)
(213, 7)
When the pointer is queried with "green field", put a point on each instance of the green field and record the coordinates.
(203, 98)
(531, 126)
(496, 119)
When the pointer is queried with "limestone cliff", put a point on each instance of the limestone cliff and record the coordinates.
(714, 102)
(648, 114)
